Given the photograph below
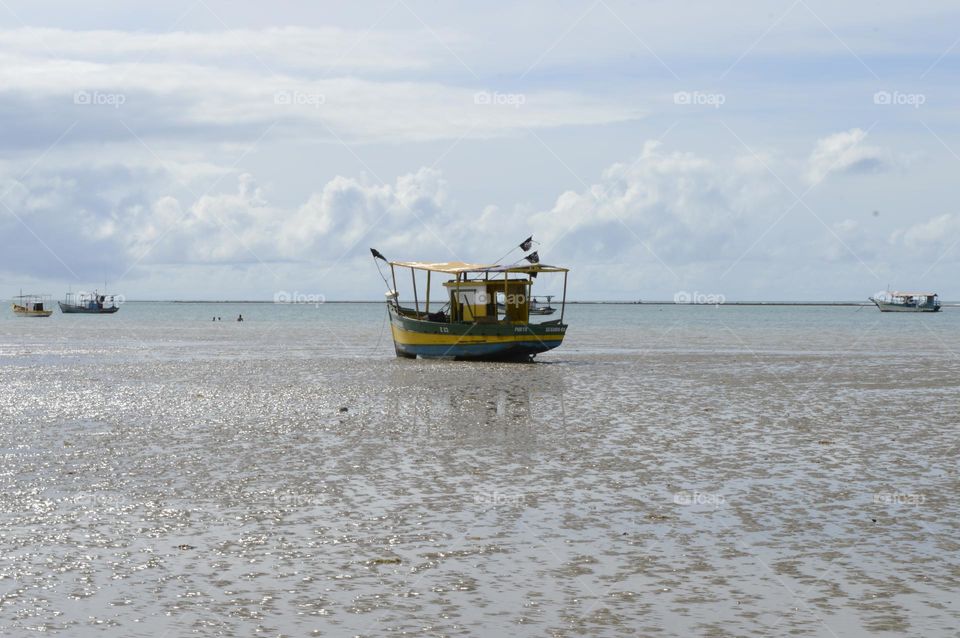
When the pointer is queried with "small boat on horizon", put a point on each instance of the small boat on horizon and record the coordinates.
(32, 305)
(895, 301)
(485, 314)
(91, 303)
(538, 305)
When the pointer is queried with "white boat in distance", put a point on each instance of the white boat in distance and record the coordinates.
(895, 301)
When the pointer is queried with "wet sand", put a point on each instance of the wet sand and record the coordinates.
(659, 479)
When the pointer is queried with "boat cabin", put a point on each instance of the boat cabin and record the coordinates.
(477, 293)
(486, 300)
(915, 298)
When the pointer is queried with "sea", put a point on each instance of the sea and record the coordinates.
(684, 470)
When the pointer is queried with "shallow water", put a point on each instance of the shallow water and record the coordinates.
(668, 470)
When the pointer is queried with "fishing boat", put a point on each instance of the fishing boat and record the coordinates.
(32, 305)
(92, 303)
(484, 315)
(894, 301)
(541, 305)
(538, 306)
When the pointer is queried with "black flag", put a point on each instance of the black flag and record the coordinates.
(527, 244)
(533, 258)
(377, 255)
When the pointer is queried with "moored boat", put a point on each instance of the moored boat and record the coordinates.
(485, 314)
(541, 305)
(32, 306)
(895, 301)
(92, 303)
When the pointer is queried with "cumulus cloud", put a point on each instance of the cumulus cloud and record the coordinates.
(936, 232)
(672, 216)
(676, 205)
(845, 152)
(246, 227)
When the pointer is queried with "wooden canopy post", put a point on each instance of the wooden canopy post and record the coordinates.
(427, 309)
(416, 302)
(563, 304)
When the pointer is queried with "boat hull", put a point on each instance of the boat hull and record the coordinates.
(890, 307)
(70, 310)
(22, 311)
(472, 341)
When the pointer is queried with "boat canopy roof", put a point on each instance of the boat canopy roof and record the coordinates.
(912, 294)
(459, 267)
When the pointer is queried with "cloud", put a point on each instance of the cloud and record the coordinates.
(845, 153)
(677, 206)
(663, 219)
(307, 84)
(935, 233)
(276, 49)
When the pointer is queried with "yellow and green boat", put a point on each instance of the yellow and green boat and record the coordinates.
(484, 313)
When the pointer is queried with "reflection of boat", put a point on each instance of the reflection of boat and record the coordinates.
(88, 303)
(907, 301)
(471, 325)
(32, 306)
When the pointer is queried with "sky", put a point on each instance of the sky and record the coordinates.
(775, 150)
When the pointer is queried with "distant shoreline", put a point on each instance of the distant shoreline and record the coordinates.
(571, 303)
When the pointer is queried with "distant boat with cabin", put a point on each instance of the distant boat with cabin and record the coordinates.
(896, 301)
(91, 303)
(538, 305)
(485, 313)
(32, 305)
